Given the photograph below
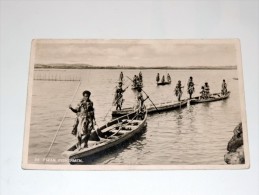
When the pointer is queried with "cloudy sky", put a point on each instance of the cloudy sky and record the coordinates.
(136, 52)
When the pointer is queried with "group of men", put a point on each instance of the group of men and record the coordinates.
(138, 80)
(163, 78)
(85, 120)
(205, 90)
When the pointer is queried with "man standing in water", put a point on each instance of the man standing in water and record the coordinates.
(85, 119)
(190, 86)
(118, 99)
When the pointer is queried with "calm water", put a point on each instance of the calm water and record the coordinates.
(193, 135)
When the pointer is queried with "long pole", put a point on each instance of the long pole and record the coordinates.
(61, 123)
(148, 97)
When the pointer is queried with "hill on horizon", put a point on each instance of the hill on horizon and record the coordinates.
(88, 66)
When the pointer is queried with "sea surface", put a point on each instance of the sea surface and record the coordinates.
(194, 135)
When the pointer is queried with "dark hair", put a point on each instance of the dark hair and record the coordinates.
(87, 92)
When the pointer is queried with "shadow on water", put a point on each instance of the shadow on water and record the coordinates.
(112, 153)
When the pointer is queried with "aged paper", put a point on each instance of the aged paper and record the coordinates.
(135, 105)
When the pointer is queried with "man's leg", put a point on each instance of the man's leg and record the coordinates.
(74, 130)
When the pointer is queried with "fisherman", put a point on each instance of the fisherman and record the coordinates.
(157, 77)
(202, 93)
(121, 77)
(140, 103)
(224, 87)
(163, 79)
(118, 99)
(190, 86)
(178, 90)
(85, 119)
(168, 78)
(207, 90)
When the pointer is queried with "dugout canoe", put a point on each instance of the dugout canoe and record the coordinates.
(164, 83)
(214, 97)
(162, 107)
(109, 135)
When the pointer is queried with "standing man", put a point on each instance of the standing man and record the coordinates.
(224, 87)
(118, 100)
(190, 86)
(85, 119)
(140, 103)
(178, 90)
(207, 90)
(157, 78)
(168, 78)
(140, 77)
(121, 77)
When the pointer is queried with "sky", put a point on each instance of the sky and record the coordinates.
(174, 53)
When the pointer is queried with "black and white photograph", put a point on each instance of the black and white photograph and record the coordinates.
(135, 104)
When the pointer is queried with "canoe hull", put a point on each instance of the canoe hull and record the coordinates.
(152, 110)
(196, 100)
(165, 83)
(105, 144)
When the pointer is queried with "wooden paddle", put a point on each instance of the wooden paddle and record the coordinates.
(148, 97)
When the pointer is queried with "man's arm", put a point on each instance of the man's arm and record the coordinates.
(75, 110)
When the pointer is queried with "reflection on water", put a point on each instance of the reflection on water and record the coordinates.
(196, 134)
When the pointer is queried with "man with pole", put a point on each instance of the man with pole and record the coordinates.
(118, 100)
(85, 119)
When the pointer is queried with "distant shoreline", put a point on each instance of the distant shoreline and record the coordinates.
(80, 66)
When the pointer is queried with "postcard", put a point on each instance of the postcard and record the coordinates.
(135, 105)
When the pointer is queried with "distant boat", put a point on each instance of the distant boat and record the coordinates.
(164, 83)
(235, 78)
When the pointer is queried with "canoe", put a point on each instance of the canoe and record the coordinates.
(109, 135)
(151, 109)
(164, 83)
(214, 97)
